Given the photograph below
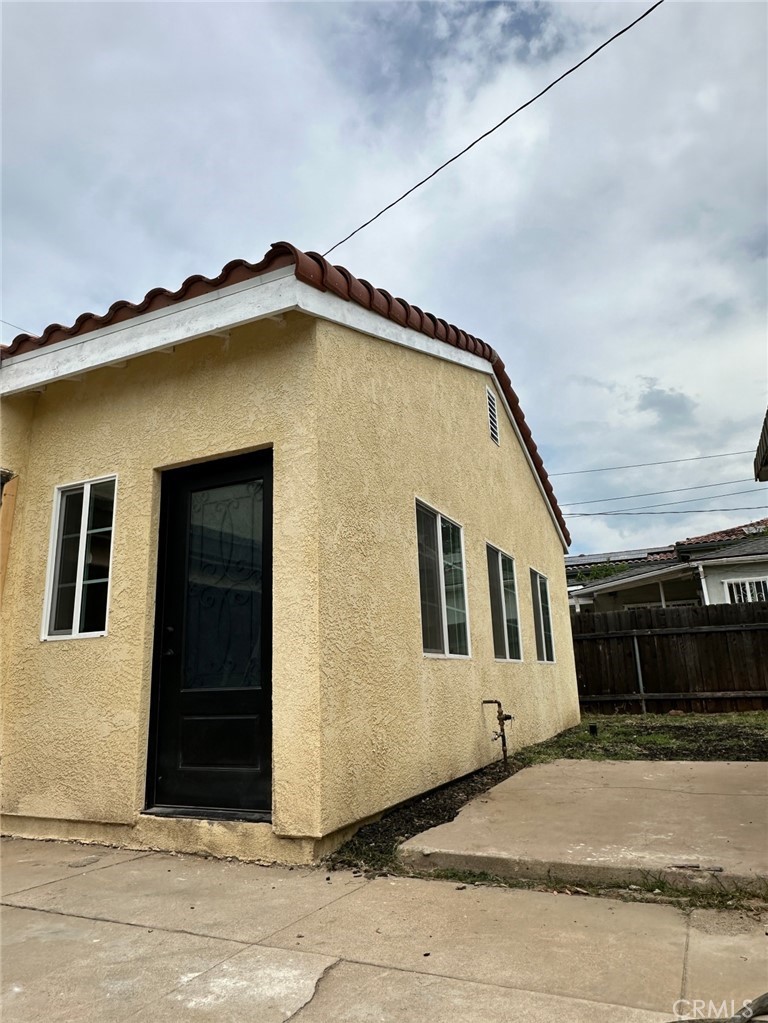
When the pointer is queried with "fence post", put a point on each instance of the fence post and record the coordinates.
(639, 674)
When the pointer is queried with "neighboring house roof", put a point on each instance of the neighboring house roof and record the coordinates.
(576, 561)
(312, 269)
(636, 575)
(756, 546)
(761, 455)
(731, 533)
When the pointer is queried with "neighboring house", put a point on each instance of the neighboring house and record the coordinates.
(277, 536)
(761, 455)
(731, 574)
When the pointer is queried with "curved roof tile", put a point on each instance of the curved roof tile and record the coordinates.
(312, 269)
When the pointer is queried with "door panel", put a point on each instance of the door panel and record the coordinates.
(211, 736)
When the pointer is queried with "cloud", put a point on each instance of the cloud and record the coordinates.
(608, 232)
(671, 407)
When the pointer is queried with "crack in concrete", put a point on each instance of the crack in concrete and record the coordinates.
(323, 975)
(127, 923)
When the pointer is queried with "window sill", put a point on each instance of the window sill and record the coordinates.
(79, 635)
(448, 657)
(509, 660)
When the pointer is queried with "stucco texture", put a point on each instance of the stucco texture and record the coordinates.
(361, 718)
(77, 711)
(396, 425)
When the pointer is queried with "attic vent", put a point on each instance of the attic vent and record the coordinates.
(493, 416)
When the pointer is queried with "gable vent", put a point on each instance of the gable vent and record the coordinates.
(493, 416)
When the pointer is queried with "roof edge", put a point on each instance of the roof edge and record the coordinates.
(312, 269)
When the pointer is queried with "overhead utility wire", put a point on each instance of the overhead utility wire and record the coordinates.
(14, 325)
(691, 500)
(691, 511)
(494, 128)
(642, 465)
(657, 493)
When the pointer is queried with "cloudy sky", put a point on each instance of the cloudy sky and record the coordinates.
(609, 242)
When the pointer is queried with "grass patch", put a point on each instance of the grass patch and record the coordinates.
(621, 737)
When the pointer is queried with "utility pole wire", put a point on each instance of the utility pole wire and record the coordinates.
(643, 465)
(495, 127)
(692, 511)
(655, 493)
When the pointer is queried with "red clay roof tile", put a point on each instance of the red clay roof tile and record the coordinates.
(312, 269)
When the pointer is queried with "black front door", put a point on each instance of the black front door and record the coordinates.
(211, 724)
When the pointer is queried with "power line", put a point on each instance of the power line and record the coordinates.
(15, 325)
(494, 128)
(692, 511)
(642, 465)
(657, 493)
(691, 500)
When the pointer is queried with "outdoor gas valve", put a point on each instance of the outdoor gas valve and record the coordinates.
(502, 718)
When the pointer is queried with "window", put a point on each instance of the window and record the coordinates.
(441, 580)
(80, 559)
(493, 415)
(505, 617)
(746, 591)
(542, 619)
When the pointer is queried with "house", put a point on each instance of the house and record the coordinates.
(761, 455)
(277, 536)
(728, 567)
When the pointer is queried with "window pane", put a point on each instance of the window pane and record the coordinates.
(497, 607)
(93, 607)
(429, 582)
(97, 555)
(453, 572)
(71, 512)
(761, 589)
(65, 570)
(64, 609)
(510, 605)
(102, 505)
(224, 576)
(536, 600)
(546, 620)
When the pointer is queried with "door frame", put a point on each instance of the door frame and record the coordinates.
(205, 813)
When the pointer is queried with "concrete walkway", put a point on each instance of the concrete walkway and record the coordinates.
(95, 935)
(582, 822)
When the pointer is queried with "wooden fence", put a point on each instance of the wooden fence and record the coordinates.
(705, 659)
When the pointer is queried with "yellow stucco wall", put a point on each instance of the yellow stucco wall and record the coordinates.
(361, 719)
(76, 711)
(395, 425)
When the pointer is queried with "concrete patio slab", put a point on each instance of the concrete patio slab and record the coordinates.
(595, 949)
(727, 958)
(29, 864)
(241, 901)
(62, 968)
(258, 985)
(611, 822)
(351, 993)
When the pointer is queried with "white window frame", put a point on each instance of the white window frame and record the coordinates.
(507, 659)
(542, 637)
(446, 655)
(743, 580)
(58, 494)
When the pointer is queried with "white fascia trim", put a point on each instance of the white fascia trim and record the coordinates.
(330, 307)
(271, 294)
(746, 560)
(636, 580)
(349, 314)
